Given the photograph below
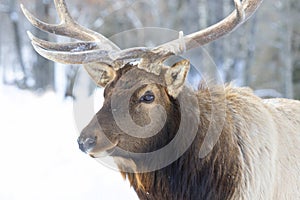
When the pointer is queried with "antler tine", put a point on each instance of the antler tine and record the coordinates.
(63, 12)
(114, 58)
(71, 46)
(67, 57)
(242, 12)
(68, 27)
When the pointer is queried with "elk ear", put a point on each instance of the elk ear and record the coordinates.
(100, 73)
(175, 77)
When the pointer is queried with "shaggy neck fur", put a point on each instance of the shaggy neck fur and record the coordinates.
(216, 176)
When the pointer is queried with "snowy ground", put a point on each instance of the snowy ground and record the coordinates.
(39, 155)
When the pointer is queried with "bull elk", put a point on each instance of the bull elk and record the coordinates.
(256, 154)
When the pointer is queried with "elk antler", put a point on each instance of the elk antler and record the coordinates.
(98, 48)
(243, 11)
(62, 52)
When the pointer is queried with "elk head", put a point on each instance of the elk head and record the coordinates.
(140, 99)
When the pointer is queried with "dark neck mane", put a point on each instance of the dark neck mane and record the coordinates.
(215, 176)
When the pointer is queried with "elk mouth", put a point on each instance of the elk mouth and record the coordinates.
(106, 151)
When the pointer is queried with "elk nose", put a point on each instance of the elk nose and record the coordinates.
(86, 144)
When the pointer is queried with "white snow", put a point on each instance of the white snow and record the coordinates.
(39, 154)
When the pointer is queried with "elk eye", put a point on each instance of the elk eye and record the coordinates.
(148, 97)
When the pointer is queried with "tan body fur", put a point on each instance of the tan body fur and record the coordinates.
(268, 132)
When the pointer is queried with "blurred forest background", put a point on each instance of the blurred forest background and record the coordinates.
(264, 53)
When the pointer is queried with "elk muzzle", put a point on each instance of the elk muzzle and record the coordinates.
(93, 141)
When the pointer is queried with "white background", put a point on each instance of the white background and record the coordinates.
(40, 158)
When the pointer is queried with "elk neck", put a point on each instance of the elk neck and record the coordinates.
(215, 176)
